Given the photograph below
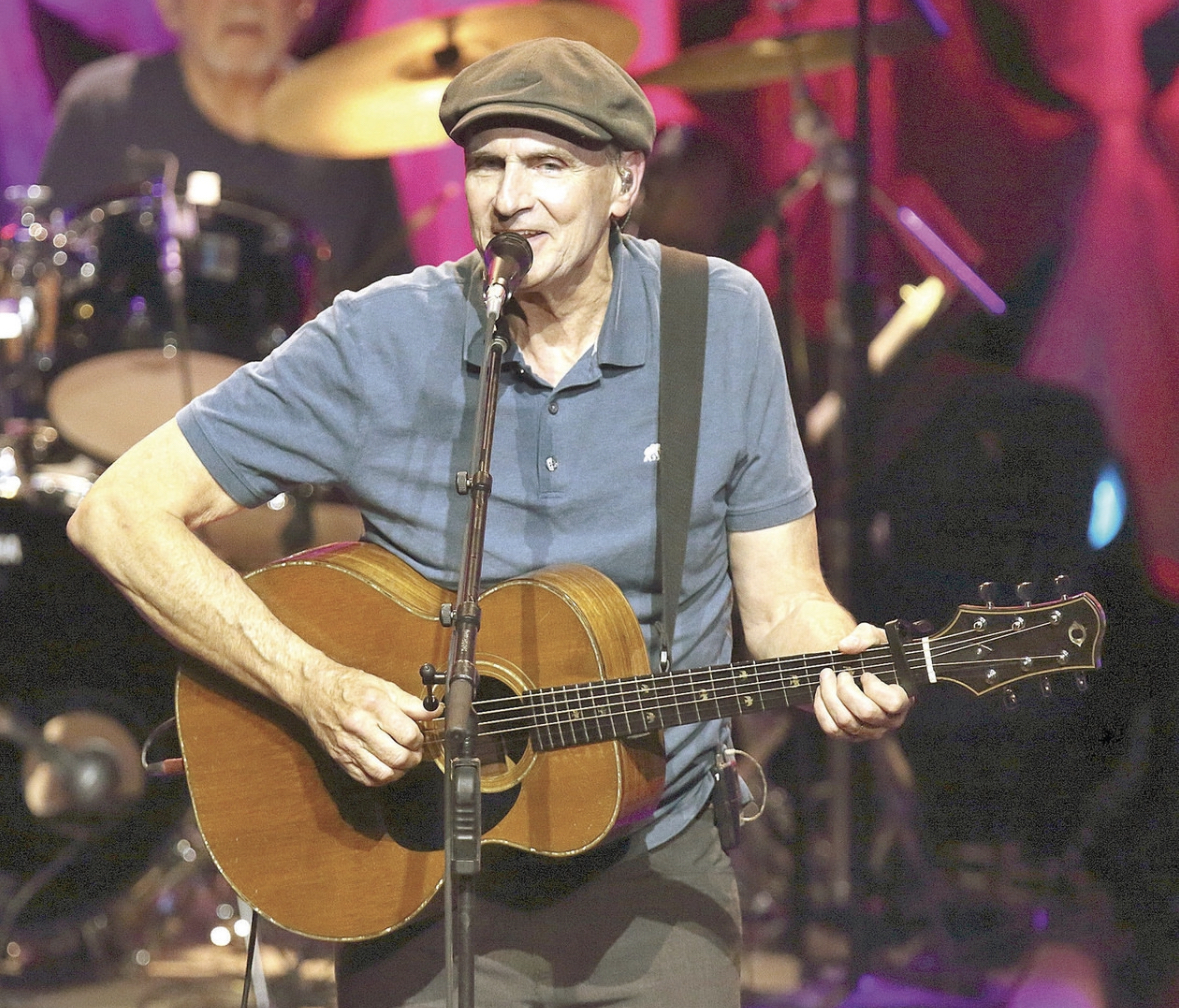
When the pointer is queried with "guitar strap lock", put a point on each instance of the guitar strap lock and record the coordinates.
(664, 647)
(732, 798)
(726, 799)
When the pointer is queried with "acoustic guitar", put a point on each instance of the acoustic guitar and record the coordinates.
(569, 719)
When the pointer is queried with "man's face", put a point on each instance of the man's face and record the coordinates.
(558, 195)
(245, 38)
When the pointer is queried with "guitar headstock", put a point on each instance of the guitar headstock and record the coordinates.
(987, 647)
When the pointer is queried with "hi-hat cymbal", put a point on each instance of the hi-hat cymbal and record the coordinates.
(739, 66)
(379, 95)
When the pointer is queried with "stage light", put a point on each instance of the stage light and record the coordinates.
(1108, 512)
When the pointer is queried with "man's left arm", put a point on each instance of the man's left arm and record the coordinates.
(787, 608)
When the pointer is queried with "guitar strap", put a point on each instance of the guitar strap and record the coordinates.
(683, 316)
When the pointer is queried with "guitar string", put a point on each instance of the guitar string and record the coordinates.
(653, 699)
(660, 694)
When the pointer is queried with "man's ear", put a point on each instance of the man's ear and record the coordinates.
(630, 181)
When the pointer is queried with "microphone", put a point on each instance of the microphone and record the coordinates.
(508, 258)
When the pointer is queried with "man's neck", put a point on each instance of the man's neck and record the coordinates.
(231, 103)
(556, 333)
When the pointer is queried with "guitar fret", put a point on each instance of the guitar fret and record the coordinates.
(645, 687)
(776, 695)
(561, 716)
(573, 715)
(545, 720)
(761, 696)
(591, 711)
(633, 708)
(615, 709)
(746, 691)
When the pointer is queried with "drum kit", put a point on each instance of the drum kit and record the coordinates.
(105, 332)
(92, 358)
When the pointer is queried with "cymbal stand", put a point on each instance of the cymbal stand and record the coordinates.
(844, 170)
(175, 233)
(845, 175)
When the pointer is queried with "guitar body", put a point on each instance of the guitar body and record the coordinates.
(324, 856)
(568, 717)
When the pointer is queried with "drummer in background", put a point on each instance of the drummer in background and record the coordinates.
(202, 103)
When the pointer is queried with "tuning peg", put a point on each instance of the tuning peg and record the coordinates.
(1010, 700)
(1081, 678)
(1026, 591)
(1064, 585)
(988, 591)
(1045, 686)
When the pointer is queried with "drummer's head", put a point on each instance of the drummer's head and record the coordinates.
(556, 136)
(237, 38)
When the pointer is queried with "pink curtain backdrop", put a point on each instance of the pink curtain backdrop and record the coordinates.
(1097, 181)
(1111, 326)
(26, 100)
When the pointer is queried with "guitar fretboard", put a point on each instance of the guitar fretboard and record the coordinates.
(583, 713)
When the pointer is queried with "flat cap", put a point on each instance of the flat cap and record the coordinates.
(552, 82)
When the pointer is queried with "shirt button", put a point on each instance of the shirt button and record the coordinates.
(550, 464)
(554, 408)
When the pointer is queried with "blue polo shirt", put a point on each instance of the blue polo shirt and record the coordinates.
(379, 393)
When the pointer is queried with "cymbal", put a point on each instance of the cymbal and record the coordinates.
(739, 66)
(379, 95)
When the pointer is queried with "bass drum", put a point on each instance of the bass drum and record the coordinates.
(81, 671)
(121, 366)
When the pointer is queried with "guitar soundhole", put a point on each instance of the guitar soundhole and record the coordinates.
(501, 747)
(415, 805)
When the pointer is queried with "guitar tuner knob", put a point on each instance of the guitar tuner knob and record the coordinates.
(988, 591)
(1026, 591)
(1045, 686)
(1081, 680)
(1010, 700)
(1064, 585)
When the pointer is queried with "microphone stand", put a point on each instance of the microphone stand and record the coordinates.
(462, 819)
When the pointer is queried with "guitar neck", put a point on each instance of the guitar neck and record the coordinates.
(983, 649)
(601, 711)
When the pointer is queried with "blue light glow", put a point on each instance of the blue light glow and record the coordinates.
(1109, 507)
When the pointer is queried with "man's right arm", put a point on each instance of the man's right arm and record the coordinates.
(139, 525)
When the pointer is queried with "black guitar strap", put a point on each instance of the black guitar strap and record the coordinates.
(683, 315)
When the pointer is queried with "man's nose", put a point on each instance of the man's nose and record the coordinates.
(513, 193)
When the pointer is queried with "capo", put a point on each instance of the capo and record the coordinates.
(900, 633)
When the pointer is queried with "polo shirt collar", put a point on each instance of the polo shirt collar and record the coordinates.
(630, 322)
